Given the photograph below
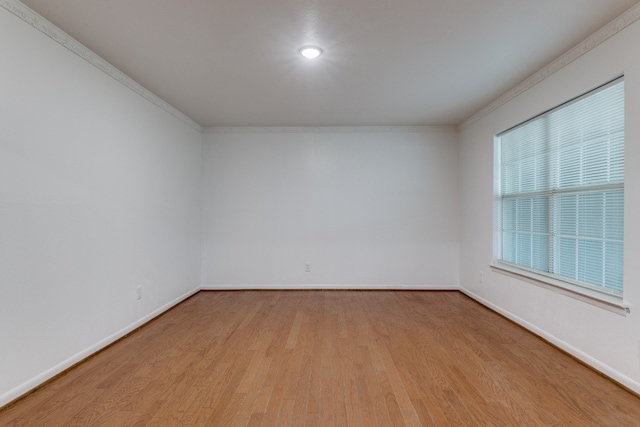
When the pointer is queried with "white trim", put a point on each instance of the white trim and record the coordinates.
(612, 28)
(328, 129)
(43, 25)
(608, 302)
(333, 286)
(38, 380)
(607, 370)
(65, 40)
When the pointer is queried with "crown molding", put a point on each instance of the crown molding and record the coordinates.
(612, 28)
(56, 34)
(327, 129)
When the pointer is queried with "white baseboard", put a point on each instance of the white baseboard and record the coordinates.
(333, 286)
(36, 381)
(578, 354)
(50, 373)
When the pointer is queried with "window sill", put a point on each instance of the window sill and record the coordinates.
(607, 302)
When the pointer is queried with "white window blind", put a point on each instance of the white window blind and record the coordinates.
(561, 192)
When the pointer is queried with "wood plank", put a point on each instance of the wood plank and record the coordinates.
(323, 358)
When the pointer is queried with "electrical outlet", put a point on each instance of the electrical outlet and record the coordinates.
(139, 292)
(307, 267)
(481, 277)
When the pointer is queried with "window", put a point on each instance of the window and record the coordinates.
(560, 193)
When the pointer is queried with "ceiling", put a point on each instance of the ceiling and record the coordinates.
(386, 62)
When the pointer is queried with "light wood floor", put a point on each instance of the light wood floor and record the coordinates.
(328, 358)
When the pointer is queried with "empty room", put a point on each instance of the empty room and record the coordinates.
(319, 213)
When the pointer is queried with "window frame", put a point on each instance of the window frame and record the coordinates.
(594, 294)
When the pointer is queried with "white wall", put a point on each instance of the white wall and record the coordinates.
(363, 207)
(608, 341)
(99, 194)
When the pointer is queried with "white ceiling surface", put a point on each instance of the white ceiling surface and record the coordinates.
(386, 62)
